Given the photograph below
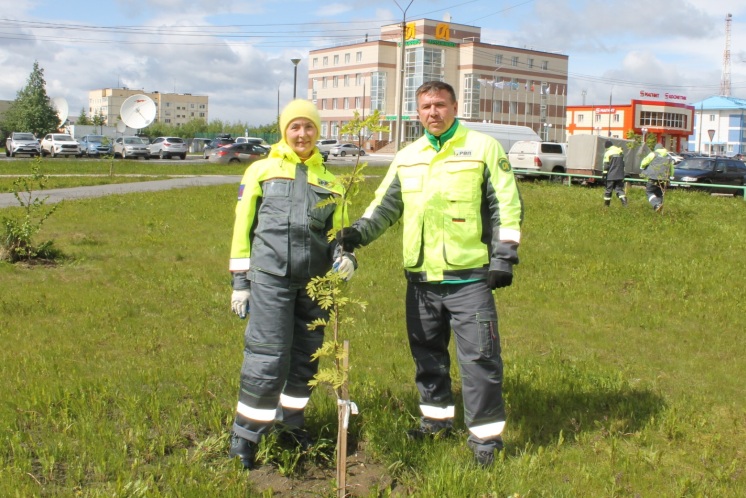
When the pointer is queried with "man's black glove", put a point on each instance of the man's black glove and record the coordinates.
(497, 279)
(350, 238)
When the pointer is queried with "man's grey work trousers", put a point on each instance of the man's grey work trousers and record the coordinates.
(432, 311)
(277, 359)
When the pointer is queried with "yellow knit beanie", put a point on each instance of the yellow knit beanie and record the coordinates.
(299, 108)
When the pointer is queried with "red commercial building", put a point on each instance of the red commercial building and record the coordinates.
(673, 122)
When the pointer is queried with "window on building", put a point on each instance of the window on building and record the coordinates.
(358, 57)
(378, 91)
(323, 104)
(580, 118)
(336, 60)
(325, 61)
(530, 63)
(358, 103)
(470, 99)
(498, 59)
(346, 102)
(712, 118)
(347, 58)
(545, 65)
(347, 80)
(358, 79)
(334, 103)
(315, 62)
(514, 61)
(671, 120)
(617, 118)
(421, 64)
(323, 82)
(335, 82)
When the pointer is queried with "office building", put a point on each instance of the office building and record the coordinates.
(493, 83)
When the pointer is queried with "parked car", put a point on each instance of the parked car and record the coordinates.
(131, 147)
(59, 144)
(167, 147)
(22, 143)
(346, 149)
(251, 140)
(238, 153)
(216, 143)
(531, 156)
(326, 144)
(696, 171)
(95, 145)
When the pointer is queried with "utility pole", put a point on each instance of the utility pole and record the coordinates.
(400, 101)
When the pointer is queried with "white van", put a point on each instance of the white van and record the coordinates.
(532, 156)
(506, 134)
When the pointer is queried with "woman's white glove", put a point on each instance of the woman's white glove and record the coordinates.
(240, 302)
(345, 265)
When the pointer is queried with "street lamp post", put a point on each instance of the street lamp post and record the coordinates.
(547, 131)
(295, 76)
(400, 102)
(644, 132)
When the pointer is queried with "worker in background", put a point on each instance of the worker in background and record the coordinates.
(657, 167)
(614, 173)
(461, 213)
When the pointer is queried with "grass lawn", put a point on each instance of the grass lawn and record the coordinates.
(622, 340)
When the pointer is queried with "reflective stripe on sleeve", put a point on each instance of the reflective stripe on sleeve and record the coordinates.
(239, 264)
(510, 234)
(295, 403)
(256, 413)
(438, 413)
(488, 431)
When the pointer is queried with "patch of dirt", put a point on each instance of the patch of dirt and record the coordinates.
(363, 478)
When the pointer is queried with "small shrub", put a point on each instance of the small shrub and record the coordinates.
(17, 242)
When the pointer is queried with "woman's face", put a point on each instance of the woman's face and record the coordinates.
(301, 136)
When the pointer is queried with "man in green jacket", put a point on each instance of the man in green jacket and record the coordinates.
(457, 197)
(657, 167)
(614, 173)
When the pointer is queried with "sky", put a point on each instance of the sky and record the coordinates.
(238, 52)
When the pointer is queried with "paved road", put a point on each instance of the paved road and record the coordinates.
(57, 195)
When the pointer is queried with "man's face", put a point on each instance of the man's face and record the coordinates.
(437, 111)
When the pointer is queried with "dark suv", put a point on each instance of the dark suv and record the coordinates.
(216, 143)
(696, 171)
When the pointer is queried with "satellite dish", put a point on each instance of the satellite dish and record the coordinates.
(60, 104)
(138, 111)
(121, 127)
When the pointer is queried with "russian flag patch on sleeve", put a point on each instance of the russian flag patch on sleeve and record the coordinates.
(240, 191)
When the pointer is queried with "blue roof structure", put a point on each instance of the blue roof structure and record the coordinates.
(719, 102)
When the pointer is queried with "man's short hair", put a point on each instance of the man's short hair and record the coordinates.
(435, 86)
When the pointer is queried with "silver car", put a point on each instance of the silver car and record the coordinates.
(167, 147)
(346, 149)
(131, 148)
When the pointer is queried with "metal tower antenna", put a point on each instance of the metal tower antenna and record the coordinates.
(725, 82)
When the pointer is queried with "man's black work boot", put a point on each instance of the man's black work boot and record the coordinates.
(245, 450)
